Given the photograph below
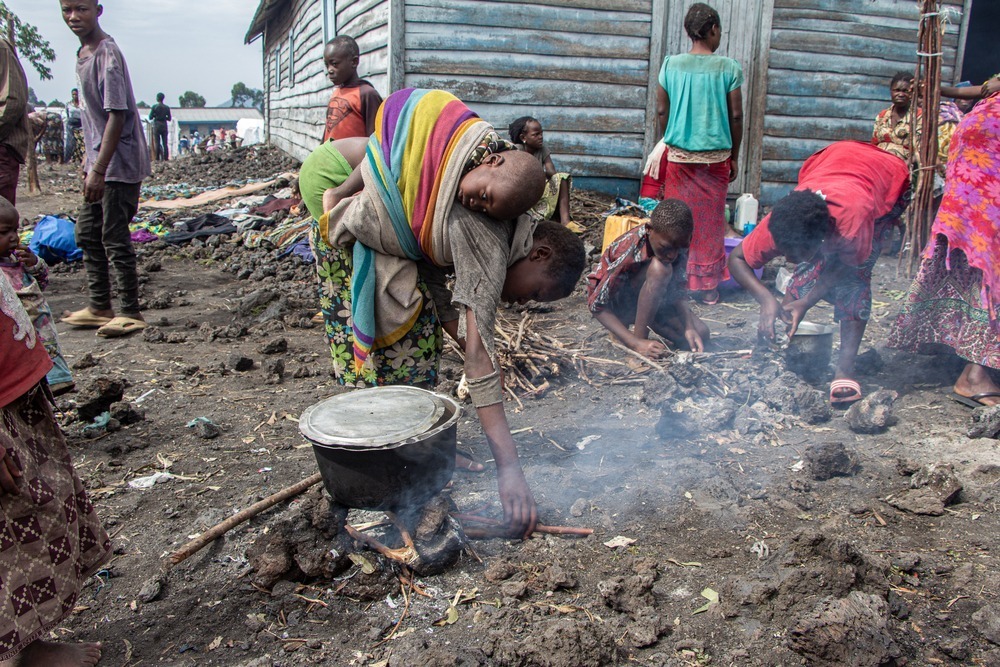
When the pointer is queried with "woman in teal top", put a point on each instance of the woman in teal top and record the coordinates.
(699, 107)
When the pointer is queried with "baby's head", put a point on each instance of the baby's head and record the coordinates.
(9, 220)
(552, 268)
(669, 229)
(504, 186)
(528, 131)
(799, 224)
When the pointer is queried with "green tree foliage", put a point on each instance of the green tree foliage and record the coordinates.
(56, 103)
(28, 41)
(32, 98)
(192, 100)
(244, 97)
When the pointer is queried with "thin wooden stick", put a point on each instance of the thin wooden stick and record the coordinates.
(222, 528)
(649, 362)
(496, 527)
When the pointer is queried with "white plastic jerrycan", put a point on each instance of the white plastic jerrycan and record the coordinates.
(746, 212)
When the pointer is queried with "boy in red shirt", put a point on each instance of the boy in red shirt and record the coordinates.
(849, 196)
(354, 102)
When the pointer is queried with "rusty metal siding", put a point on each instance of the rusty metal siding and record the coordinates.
(297, 112)
(580, 66)
(828, 75)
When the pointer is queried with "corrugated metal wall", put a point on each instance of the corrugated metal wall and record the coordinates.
(580, 66)
(296, 109)
(829, 68)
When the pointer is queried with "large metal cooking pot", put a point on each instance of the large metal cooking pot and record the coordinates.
(385, 448)
(810, 351)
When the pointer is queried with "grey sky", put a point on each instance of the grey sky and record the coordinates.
(170, 45)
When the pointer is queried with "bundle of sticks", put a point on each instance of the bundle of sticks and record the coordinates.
(928, 97)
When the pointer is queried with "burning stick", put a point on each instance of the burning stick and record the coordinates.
(496, 528)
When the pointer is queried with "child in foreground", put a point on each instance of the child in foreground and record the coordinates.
(29, 275)
(526, 133)
(438, 146)
(53, 540)
(641, 278)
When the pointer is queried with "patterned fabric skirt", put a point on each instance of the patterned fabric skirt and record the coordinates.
(412, 360)
(549, 203)
(945, 307)
(52, 141)
(51, 539)
(77, 145)
(703, 188)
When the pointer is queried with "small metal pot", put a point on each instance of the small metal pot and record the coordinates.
(810, 351)
(393, 476)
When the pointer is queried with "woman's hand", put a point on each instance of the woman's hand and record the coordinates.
(769, 312)
(9, 474)
(519, 510)
(793, 312)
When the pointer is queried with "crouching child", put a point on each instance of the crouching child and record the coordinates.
(642, 279)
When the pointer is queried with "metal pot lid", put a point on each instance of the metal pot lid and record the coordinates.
(370, 418)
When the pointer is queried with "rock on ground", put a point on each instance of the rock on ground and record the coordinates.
(985, 422)
(98, 396)
(830, 460)
(872, 414)
(854, 630)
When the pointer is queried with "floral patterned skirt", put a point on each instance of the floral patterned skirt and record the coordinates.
(412, 360)
(945, 307)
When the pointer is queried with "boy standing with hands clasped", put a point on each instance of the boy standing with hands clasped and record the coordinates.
(641, 278)
(117, 160)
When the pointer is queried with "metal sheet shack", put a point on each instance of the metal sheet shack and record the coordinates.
(816, 70)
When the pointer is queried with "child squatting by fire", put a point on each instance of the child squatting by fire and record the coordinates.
(641, 278)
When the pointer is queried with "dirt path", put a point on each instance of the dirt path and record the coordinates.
(723, 496)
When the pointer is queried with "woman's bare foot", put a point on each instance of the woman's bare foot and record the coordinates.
(975, 380)
(465, 464)
(55, 654)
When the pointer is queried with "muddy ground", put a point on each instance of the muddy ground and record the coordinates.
(740, 490)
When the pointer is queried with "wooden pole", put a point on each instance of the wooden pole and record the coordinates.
(220, 529)
(920, 217)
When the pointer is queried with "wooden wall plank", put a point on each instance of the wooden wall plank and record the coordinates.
(529, 92)
(470, 14)
(431, 36)
(487, 65)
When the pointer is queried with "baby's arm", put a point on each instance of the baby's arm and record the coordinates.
(352, 186)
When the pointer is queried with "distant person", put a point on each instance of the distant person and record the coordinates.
(699, 115)
(895, 123)
(160, 115)
(354, 102)
(15, 133)
(116, 163)
(526, 133)
(642, 279)
(52, 138)
(73, 147)
(184, 144)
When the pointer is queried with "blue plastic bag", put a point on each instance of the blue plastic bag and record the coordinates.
(54, 240)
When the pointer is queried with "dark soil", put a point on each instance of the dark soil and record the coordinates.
(734, 478)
